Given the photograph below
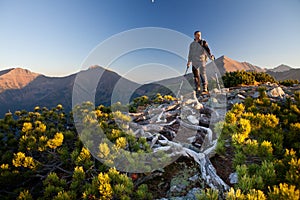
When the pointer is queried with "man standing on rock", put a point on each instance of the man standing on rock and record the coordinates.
(199, 52)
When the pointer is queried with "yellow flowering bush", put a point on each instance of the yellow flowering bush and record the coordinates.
(284, 191)
(21, 160)
(293, 175)
(118, 115)
(25, 195)
(4, 166)
(238, 195)
(243, 131)
(121, 143)
(105, 188)
(266, 148)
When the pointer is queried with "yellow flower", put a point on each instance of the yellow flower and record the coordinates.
(56, 141)
(59, 107)
(121, 142)
(4, 166)
(105, 188)
(21, 160)
(27, 126)
(39, 126)
(284, 191)
(255, 195)
(290, 152)
(267, 146)
(79, 169)
(84, 155)
(104, 150)
(115, 133)
(37, 108)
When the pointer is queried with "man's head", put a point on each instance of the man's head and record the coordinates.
(197, 35)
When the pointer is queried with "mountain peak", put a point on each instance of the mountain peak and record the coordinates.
(94, 67)
(226, 64)
(224, 57)
(16, 78)
(281, 68)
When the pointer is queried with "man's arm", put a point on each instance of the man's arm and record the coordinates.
(207, 49)
(189, 57)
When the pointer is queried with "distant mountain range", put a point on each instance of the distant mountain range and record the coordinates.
(22, 89)
(292, 74)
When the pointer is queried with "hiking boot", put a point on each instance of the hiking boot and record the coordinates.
(204, 92)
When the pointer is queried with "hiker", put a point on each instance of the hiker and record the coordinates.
(199, 52)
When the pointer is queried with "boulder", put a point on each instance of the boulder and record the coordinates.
(276, 92)
(215, 91)
(225, 90)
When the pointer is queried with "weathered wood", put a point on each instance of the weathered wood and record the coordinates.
(196, 127)
(208, 172)
(152, 124)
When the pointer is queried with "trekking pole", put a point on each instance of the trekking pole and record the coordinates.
(180, 86)
(218, 81)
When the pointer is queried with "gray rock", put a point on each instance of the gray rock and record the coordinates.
(234, 101)
(255, 95)
(233, 178)
(213, 100)
(243, 92)
(215, 90)
(193, 119)
(190, 195)
(241, 96)
(194, 178)
(177, 188)
(276, 92)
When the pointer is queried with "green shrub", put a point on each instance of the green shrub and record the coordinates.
(236, 78)
(288, 82)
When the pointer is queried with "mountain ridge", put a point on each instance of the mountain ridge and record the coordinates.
(23, 89)
(47, 91)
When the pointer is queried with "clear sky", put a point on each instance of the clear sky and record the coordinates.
(54, 37)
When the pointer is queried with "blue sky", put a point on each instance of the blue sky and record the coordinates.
(54, 37)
